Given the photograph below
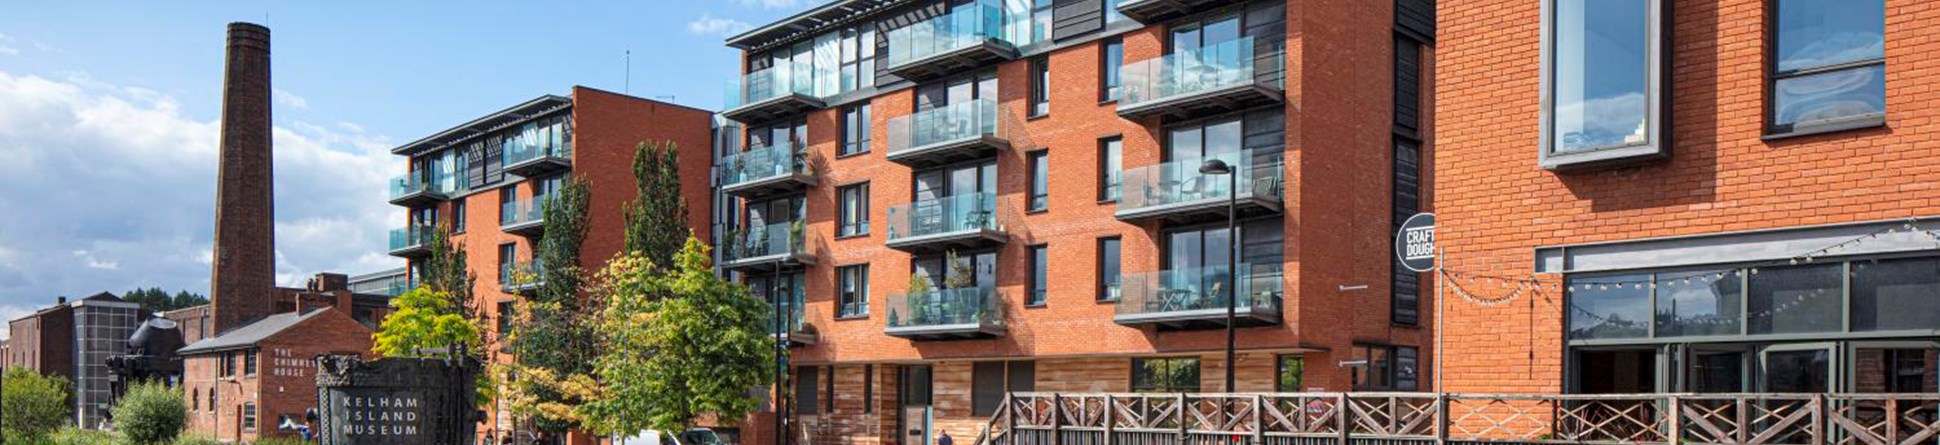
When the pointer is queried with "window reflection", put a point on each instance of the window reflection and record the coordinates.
(1601, 74)
(1698, 303)
(1796, 299)
(1830, 61)
(1609, 307)
(1895, 294)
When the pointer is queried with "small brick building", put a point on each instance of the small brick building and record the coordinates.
(243, 384)
(73, 339)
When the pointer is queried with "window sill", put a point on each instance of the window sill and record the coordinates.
(1037, 116)
(1585, 160)
(1036, 305)
(851, 155)
(1108, 102)
(1103, 201)
(1037, 211)
(852, 236)
(1828, 127)
(1106, 301)
(852, 317)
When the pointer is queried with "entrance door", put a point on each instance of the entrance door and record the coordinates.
(1798, 368)
(914, 413)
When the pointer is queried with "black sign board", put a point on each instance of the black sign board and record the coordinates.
(1414, 244)
(396, 400)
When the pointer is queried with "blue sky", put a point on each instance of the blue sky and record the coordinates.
(108, 113)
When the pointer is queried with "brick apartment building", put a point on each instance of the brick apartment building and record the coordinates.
(73, 339)
(952, 200)
(1671, 180)
(487, 178)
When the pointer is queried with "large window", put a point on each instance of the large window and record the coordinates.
(1602, 82)
(855, 210)
(1111, 57)
(505, 315)
(249, 416)
(249, 362)
(989, 381)
(1040, 259)
(1897, 294)
(506, 252)
(1796, 300)
(1171, 374)
(458, 216)
(1040, 86)
(855, 130)
(1108, 269)
(1387, 368)
(1040, 180)
(858, 58)
(1829, 66)
(1609, 307)
(1111, 167)
(854, 282)
(1695, 304)
(1859, 297)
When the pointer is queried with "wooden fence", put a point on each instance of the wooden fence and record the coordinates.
(1463, 419)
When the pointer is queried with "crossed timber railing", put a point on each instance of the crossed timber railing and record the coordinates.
(1464, 419)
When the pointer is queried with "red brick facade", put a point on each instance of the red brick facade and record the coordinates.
(284, 381)
(1339, 129)
(1497, 206)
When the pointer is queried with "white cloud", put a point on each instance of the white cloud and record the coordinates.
(710, 25)
(123, 182)
(8, 312)
(288, 99)
(770, 4)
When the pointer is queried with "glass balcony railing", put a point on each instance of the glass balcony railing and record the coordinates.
(797, 318)
(399, 287)
(408, 238)
(781, 80)
(411, 184)
(957, 213)
(1201, 289)
(546, 144)
(1188, 72)
(1181, 182)
(761, 163)
(522, 275)
(522, 212)
(945, 307)
(954, 122)
(769, 240)
(968, 25)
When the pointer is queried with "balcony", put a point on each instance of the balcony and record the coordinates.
(411, 190)
(1176, 192)
(773, 93)
(1201, 82)
(1155, 11)
(962, 221)
(769, 248)
(399, 287)
(946, 314)
(534, 158)
(972, 36)
(523, 278)
(763, 171)
(798, 332)
(1195, 298)
(956, 132)
(525, 217)
(411, 242)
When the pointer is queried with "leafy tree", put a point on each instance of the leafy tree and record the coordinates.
(553, 341)
(675, 345)
(425, 319)
(156, 300)
(151, 413)
(445, 270)
(32, 405)
(656, 220)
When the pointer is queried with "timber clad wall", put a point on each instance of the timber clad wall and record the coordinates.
(1498, 205)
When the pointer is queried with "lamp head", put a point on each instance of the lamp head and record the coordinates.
(1215, 167)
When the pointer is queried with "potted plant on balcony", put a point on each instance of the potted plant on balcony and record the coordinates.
(795, 231)
(919, 294)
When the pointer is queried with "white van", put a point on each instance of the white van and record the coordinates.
(696, 436)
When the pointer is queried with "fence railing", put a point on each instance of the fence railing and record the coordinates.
(1429, 418)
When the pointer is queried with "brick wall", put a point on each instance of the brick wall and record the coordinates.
(43, 342)
(1497, 205)
(284, 382)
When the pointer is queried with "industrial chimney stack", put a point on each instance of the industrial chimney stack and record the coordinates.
(243, 276)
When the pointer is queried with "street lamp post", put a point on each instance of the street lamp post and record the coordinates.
(1217, 167)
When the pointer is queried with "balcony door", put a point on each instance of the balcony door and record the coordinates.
(1799, 368)
(981, 267)
(956, 90)
(913, 415)
(1201, 34)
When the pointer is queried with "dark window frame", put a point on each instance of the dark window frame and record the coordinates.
(1166, 387)
(846, 309)
(1038, 164)
(1038, 292)
(458, 219)
(1111, 177)
(1280, 370)
(855, 223)
(1657, 91)
(1773, 76)
(1040, 81)
(1107, 286)
(1110, 81)
(855, 132)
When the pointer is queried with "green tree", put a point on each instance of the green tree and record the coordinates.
(150, 413)
(656, 220)
(675, 345)
(425, 319)
(32, 405)
(446, 270)
(554, 341)
(156, 300)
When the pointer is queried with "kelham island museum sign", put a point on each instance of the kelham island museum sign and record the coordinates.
(396, 400)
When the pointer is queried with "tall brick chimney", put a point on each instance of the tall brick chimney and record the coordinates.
(243, 278)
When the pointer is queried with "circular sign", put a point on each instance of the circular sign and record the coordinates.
(1414, 245)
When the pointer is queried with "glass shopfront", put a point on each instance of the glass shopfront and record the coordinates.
(1867, 325)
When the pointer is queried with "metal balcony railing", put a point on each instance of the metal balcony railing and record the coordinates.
(1198, 295)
